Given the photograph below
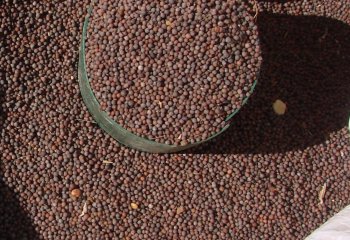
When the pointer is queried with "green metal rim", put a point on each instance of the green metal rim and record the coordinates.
(119, 133)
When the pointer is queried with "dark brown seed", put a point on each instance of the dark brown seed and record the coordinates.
(170, 70)
(262, 179)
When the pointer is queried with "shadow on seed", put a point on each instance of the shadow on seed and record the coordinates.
(14, 222)
(306, 64)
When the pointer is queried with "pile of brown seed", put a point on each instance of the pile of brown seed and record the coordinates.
(62, 177)
(172, 71)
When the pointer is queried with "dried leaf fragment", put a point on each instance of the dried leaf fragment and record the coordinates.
(180, 210)
(279, 107)
(322, 193)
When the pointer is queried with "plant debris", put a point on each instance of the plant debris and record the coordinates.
(180, 210)
(322, 193)
(84, 209)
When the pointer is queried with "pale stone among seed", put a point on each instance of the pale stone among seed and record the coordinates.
(279, 107)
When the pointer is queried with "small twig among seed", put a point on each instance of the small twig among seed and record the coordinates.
(21, 157)
(256, 10)
(322, 193)
(107, 162)
(84, 209)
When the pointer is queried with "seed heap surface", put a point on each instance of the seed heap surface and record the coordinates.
(269, 176)
(172, 71)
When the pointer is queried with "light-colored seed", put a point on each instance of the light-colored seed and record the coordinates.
(76, 193)
(134, 206)
(279, 107)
